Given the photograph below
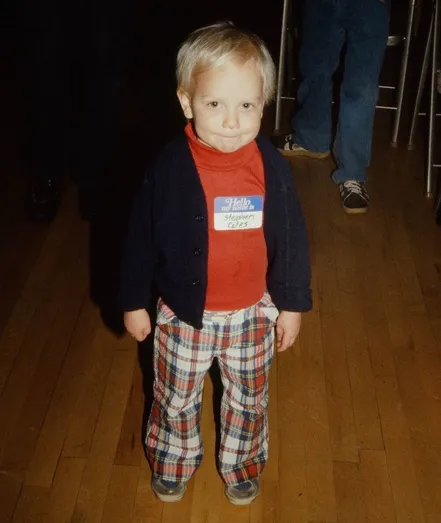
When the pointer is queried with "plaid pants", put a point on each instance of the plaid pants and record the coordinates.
(243, 343)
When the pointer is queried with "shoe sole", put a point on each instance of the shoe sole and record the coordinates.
(354, 211)
(240, 502)
(169, 498)
(305, 154)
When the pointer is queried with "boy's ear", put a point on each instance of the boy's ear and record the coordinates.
(185, 101)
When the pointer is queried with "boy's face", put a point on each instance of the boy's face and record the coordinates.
(226, 105)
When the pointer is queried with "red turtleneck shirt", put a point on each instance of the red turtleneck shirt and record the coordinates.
(234, 188)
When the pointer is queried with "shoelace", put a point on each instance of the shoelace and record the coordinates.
(355, 187)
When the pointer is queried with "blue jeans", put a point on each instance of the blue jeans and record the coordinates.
(327, 26)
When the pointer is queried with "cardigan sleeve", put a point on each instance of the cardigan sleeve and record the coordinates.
(289, 282)
(138, 261)
(298, 265)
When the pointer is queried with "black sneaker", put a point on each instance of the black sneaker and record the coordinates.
(42, 199)
(288, 147)
(354, 197)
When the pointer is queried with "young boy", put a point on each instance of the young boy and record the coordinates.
(217, 227)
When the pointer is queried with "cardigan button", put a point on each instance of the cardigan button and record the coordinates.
(199, 218)
(196, 283)
(197, 251)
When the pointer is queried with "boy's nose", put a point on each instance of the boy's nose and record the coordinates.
(231, 121)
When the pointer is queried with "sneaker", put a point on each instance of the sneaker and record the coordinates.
(354, 197)
(168, 491)
(288, 148)
(244, 493)
(42, 199)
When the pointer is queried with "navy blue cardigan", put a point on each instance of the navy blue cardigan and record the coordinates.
(167, 241)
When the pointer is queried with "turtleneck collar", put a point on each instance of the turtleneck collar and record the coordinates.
(211, 159)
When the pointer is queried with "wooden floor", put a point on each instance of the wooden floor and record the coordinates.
(355, 407)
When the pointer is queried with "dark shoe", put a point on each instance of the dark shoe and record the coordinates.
(244, 493)
(354, 197)
(167, 491)
(42, 199)
(287, 147)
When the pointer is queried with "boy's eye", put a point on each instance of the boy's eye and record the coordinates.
(213, 104)
(247, 105)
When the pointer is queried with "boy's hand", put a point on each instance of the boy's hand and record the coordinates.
(138, 324)
(287, 329)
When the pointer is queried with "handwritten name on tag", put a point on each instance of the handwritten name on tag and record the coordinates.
(232, 213)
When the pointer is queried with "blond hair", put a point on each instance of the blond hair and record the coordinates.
(214, 45)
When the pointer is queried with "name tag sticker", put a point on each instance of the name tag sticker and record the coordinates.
(232, 213)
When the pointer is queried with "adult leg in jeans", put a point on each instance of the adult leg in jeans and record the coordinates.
(366, 24)
(322, 40)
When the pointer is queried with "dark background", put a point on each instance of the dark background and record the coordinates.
(112, 58)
